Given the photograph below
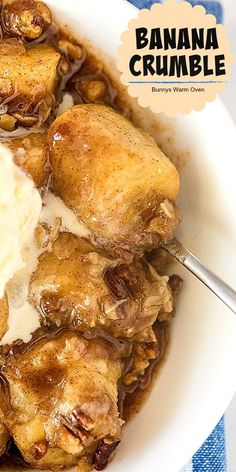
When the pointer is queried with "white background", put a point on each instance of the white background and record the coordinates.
(229, 98)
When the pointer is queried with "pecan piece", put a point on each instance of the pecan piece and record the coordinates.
(116, 284)
(104, 450)
(40, 449)
(122, 282)
(176, 283)
(80, 419)
(50, 304)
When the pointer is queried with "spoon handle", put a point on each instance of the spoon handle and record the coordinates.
(223, 291)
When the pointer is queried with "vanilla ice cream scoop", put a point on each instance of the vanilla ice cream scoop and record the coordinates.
(20, 206)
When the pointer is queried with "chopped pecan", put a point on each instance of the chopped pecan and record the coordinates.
(122, 282)
(176, 283)
(80, 419)
(116, 284)
(77, 430)
(40, 449)
(104, 450)
(50, 304)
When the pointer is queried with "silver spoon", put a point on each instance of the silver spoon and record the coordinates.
(222, 290)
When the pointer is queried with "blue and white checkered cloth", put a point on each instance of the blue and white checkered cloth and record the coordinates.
(211, 457)
(212, 6)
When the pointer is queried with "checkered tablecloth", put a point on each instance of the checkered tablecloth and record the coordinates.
(211, 457)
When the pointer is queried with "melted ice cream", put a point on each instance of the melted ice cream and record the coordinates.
(23, 318)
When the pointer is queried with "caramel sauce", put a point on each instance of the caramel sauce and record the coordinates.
(134, 401)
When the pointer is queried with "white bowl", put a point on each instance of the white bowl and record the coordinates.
(198, 379)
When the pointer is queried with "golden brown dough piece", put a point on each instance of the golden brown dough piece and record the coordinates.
(28, 79)
(3, 316)
(115, 177)
(30, 154)
(63, 399)
(26, 19)
(74, 284)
